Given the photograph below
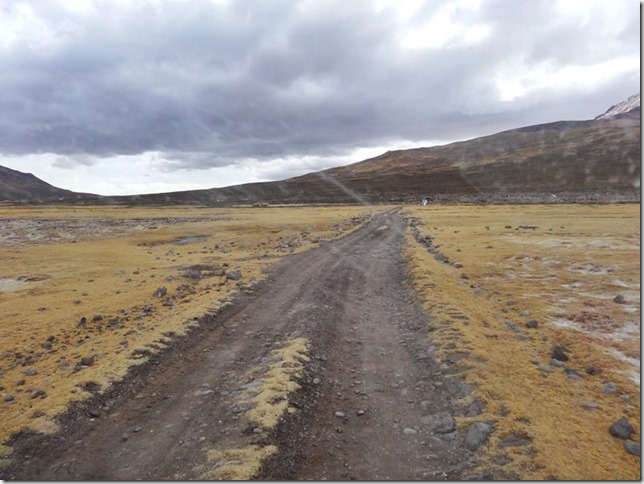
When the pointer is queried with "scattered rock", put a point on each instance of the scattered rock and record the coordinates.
(93, 413)
(82, 323)
(409, 431)
(457, 265)
(591, 370)
(558, 353)
(257, 430)
(160, 292)
(440, 423)
(21, 382)
(525, 313)
(484, 476)
(619, 299)
(610, 388)
(87, 361)
(360, 412)
(633, 448)
(234, 275)
(316, 381)
(46, 345)
(477, 435)
(475, 408)
(8, 398)
(137, 429)
(590, 405)
(556, 363)
(573, 374)
(39, 393)
(340, 414)
(97, 317)
(532, 324)
(29, 371)
(621, 428)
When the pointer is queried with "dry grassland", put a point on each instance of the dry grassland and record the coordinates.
(76, 289)
(561, 266)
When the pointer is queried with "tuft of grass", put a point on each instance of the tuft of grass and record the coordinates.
(237, 464)
(510, 271)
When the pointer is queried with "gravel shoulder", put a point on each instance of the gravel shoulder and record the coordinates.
(369, 390)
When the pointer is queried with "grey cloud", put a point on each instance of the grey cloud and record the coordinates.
(212, 84)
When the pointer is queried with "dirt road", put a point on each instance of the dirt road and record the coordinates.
(361, 412)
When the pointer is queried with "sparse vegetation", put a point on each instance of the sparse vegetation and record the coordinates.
(77, 304)
(486, 278)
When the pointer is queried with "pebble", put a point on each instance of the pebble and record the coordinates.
(621, 428)
(29, 371)
(316, 381)
(619, 299)
(557, 363)
(340, 414)
(409, 431)
(525, 313)
(8, 398)
(590, 405)
(137, 429)
(440, 423)
(87, 361)
(360, 412)
(477, 434)
(558, 353)
(532, 324)
(633, 448)
(610, 388)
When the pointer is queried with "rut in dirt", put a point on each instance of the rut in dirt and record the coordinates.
(366, 399)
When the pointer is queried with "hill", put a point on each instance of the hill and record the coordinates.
(575, 159)
(16, 186)
(592, 160)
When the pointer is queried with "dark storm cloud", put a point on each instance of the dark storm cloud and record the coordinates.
(210, 84)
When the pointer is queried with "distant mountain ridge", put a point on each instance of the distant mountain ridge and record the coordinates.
(626, 109)
(577, 158)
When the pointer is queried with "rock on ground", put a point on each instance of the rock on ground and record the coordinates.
(477, 435)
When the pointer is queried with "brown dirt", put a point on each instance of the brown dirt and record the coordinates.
(369, 347)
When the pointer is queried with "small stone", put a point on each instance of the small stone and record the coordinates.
(477, 434)
(457, 265)
(591, 370)
(610, 388)
(340, 414)
(409, 431)
(20, 382)
(316, 381)
(46, 345)
(160, 292)
(97, 317)
(633, 448)
(504, 310)
(137, 429)
(621, 428)
(8, 398)
(573, 374)
(29, 371)
(93, 412)
(619, 299)
(82, 323)
(558, 353)
(39, 393)
(590, 405)
(360, 412)
(87, 361)
(532, 324)
(441, 423)
(557, 363)
(525, 313)
(234, 275)
(257, 430)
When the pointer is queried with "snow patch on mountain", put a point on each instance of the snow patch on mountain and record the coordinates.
(631, 103)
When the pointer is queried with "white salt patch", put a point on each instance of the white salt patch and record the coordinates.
(10, 284)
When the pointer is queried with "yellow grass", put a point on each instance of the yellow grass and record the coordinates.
(237, 464)
(113, 271)
(565, 273)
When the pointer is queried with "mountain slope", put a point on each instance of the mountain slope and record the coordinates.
(16, 186)
(568, 156)
(626, 109)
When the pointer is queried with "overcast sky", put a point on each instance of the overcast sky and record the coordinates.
(122, 97)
